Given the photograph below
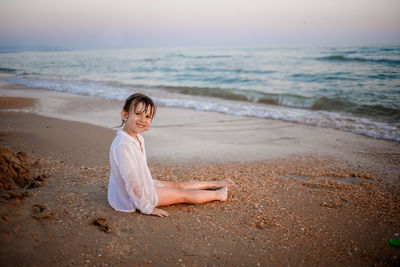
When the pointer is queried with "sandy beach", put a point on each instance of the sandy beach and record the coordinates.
(304, 195)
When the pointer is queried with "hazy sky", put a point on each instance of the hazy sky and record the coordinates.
(161, 23)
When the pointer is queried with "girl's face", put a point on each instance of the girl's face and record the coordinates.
(137, 121)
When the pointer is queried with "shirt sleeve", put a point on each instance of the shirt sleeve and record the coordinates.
(128, 164)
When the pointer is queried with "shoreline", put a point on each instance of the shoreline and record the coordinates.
(184, 135)
(303, 196)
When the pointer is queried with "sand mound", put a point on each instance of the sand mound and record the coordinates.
(16, 170)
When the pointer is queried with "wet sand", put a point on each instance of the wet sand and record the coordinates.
(303, 196)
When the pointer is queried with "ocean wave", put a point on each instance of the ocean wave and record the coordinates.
(243, 95)
(8, 70)
(87, 88)
(12, 71)
(327, 119)
(291, 100)
(342, 105)
(341, 58)
(228, 70)
(321, 77)
(320, 111)
(384, 76)
(116, 90)
(181, 55)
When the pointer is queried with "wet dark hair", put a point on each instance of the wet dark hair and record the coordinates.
(133, 100)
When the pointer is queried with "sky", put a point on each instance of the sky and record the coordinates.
(182, 23)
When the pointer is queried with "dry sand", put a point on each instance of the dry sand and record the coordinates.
(303, 196)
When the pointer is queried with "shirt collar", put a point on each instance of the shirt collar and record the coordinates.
(122, 132)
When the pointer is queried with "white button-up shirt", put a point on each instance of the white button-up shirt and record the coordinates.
(130, 186)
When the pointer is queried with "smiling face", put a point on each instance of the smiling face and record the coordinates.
(138, 120)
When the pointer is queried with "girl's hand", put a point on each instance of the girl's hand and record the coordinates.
(160, 212)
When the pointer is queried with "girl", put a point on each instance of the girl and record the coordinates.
(131, 186)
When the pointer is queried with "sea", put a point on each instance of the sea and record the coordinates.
(350, 88)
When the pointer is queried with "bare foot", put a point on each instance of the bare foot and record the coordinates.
(229, 182)
(222, 183)
(223, 193)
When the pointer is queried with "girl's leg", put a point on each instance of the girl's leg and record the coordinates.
(196, 185)
(193, 185)
(168, 196)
